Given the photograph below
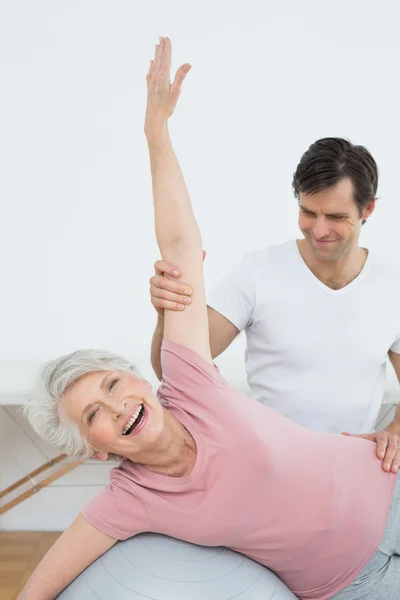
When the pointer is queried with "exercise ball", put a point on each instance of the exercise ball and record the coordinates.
(156, 567)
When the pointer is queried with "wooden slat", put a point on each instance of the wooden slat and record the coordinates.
(40, 485)
(33, 474)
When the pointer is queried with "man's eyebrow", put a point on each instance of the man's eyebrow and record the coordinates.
(91, 404)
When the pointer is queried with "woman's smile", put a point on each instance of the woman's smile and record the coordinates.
(137, 421)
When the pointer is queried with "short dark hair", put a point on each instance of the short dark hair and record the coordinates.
(329, 160)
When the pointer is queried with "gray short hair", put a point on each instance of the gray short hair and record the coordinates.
(55, 377)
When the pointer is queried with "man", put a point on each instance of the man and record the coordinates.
(321, 314)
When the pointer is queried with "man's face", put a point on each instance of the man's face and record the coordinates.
(330, 220)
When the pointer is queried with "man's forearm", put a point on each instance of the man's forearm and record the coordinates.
(174, 217)
(156, 347)
(394, 426)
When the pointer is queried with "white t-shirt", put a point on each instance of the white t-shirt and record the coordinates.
(314, 354)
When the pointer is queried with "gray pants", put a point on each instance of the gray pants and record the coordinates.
(380, 579)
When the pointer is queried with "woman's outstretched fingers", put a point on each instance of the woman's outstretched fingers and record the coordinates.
(166, 51)
(179, 77)
(162, 97)
(158, 55)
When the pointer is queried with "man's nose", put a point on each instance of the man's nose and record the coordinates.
(320, 229)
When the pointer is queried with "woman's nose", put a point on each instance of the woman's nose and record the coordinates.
(119, 409)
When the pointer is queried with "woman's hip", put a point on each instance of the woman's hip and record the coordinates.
(380, 578)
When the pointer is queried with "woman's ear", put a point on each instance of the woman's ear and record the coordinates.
(103, 456)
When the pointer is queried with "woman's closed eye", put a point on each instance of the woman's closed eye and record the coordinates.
(92, 415)
(112, 384)
(94, 412)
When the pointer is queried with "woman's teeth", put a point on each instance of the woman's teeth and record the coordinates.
(132, 419)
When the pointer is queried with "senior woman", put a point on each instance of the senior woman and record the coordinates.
(202, 461)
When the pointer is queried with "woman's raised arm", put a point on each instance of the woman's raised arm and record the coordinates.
(177, 232)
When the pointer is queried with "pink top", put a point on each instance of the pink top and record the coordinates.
(310, 506)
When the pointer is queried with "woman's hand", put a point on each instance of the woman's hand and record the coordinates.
(167, 293)
(162, 97)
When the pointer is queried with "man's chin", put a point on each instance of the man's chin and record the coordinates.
(328, 252)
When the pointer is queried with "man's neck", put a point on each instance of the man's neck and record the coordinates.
(335, 274)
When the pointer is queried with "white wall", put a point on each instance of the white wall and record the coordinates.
(267, 80)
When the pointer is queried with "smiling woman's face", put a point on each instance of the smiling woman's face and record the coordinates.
(116, 412)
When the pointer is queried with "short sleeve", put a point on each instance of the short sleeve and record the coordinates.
(117, 513)
(187, 377)
(234, 297)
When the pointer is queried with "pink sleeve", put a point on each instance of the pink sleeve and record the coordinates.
(187, 376)
(117, 513)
